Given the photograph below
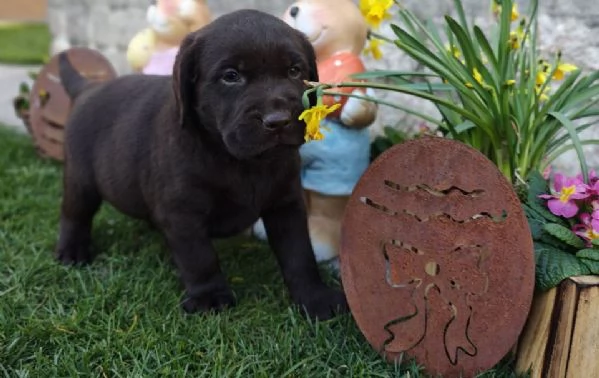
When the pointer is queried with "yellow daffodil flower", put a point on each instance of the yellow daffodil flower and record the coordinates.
(478, 77)
(496, 9)
(374, 49)
(514, 41)
(544, 94)
(544, 65)
(375, 11)
(312, 117)
(453, 50)
(517, 36)
(515, 13)
(541, 78)
(562, 69)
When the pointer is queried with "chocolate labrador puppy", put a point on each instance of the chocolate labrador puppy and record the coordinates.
(201, 155)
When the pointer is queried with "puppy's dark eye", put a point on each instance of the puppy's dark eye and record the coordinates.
(231, 76)
(294, 72)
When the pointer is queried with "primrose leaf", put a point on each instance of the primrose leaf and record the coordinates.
(554, 265)
(564, 234)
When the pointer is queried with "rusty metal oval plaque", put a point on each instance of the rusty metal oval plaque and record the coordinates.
(50, 104)
(437, 257)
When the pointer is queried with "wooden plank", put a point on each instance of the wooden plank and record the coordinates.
(565, 309)
(561, 336)
(531, 348)
(583, 361)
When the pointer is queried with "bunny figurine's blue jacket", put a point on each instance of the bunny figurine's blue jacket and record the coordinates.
(333, 165)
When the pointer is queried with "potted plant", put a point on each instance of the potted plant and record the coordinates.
(561, 330)
(496, 93)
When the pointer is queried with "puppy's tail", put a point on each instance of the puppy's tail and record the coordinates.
(71, 80)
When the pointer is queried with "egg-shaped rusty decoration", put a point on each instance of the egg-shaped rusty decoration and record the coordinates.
(437, 258)
(49, 103)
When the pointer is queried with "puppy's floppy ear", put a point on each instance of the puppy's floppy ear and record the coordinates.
(312, 68)
(185, 76)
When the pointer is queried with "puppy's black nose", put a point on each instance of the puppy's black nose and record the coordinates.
(294, 11)
(276, 120)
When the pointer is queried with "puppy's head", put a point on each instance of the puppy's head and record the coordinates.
(241, 78)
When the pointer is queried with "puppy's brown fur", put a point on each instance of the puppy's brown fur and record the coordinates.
(202, 155)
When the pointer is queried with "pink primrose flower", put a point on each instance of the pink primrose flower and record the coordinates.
(588, 229)
(566, 191)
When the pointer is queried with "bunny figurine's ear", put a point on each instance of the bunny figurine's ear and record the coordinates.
(152, 13)
(169, 8)
(188, 8)
(196, 13)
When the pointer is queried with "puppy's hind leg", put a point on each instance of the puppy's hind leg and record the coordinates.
(79, 205)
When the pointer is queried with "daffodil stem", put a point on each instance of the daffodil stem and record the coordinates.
(502, 164)
(380, 36)
(387, 103)
(427, 96)
(523, 165)
(319, 91)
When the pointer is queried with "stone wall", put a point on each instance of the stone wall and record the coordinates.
(108, 25)
(570, 26)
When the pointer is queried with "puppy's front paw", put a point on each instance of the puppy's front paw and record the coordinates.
(74, 254)
(323, 303)
(213, 301)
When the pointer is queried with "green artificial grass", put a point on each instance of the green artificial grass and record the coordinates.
(24, 43)
(120, 316)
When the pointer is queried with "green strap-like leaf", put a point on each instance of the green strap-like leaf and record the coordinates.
(575, 141)
(486, 47)
(461, 14)
(558, 152)
(588, 109)
(563, 90)
(464, 126)
(375, 74)
(559, 142)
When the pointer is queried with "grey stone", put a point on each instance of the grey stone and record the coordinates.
(104, 36)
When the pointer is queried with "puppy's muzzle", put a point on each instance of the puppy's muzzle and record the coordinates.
(277, 120)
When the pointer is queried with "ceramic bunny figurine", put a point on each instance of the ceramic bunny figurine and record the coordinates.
(333, 166)
(153, 50)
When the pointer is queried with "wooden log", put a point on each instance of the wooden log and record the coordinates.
(561, 336)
